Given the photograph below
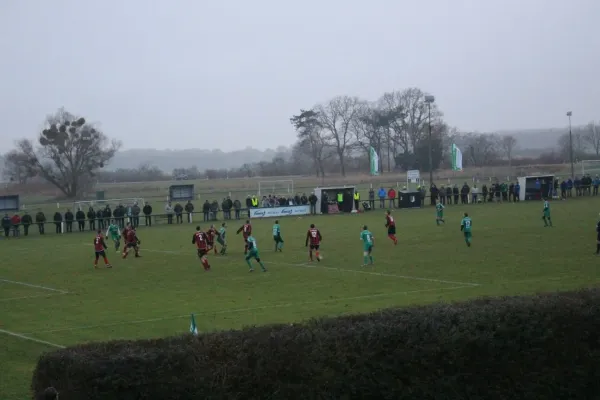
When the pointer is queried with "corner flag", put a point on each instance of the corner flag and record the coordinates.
(456, 158)
(193, 327)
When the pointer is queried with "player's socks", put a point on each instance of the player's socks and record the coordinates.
(365, 260)
(245, 249)
(371, 259)
(318, 257)
(249, 264)
(262, 266)
(437, 222)
(310, 255)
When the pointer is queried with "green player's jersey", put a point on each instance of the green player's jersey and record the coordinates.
(466, 223)
(276, 230)
(367, 238)
(113, 230)
(439, 207)
(546, 207)
(222, 232)
(252, 243)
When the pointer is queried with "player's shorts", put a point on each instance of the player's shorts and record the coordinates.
(253, 253)
(115, 238)
(468, 235)
(314, 247)
(131, 245)
(277, 238)
(546, 214)
(440, 214)
(202, 252)
(391, 230)
(368, 248)
(221, 241)
(100, 254)
(210, 244)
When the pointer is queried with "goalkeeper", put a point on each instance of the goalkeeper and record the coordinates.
(115, 234)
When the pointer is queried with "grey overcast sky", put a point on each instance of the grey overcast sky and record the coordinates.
(229, 74)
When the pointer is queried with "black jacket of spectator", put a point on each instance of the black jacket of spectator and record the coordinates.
(189, 207)
(237, 205)
(69, 217)
(303, 200)
(206, 207)
(147, 209)
(26, 219)
(58, 217)
(178, 209)
(80, 216)
(248, 202)
(312, 199)
(40, 218)
(91, 214)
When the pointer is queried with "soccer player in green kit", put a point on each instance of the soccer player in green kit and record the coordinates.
(368, 242)
(277, 236)
(253, 253)
(115, 234)
(465, 227)
(221, 238)
(439, 213)
(546, 213)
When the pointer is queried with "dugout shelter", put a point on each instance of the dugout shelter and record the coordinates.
(409, 199)
(529, 190)
(332, 192)
(179, 193)
(9, 203)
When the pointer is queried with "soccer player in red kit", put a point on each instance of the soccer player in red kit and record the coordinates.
(99, 247)
(131, 242)
(390, 224)
(314, 236)
(211, 234)
(246, 230)
(200, 239)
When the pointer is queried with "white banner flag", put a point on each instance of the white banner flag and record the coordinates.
(456, 158)
(374, 162)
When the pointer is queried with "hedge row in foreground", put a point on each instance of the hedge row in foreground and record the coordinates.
(541, 347)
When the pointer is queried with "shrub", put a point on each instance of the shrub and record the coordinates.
(540, 347)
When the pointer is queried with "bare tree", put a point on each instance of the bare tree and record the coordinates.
(592, 137)
(336, 118)
(508, 144)
(579, 146)
(481, 149)
(69, 153)
(371, 128)
(16, 167)
(310, 136)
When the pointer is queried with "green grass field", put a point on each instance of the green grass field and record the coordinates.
(51, 296)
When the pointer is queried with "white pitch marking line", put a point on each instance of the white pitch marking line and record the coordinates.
(32, 297)
(21, 336)
(239, 310)
(34, 286)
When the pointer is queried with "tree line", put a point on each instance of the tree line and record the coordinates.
(333, 137)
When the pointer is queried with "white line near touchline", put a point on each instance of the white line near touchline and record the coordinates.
(305, 265)
(32, 297)
(34, 286)
(258, 308)
(21, 336)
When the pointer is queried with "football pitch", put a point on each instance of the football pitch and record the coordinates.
(51, 296)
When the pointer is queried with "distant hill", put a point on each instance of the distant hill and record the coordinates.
(532, 142)
(167, 160)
